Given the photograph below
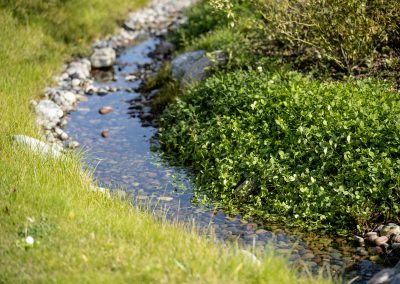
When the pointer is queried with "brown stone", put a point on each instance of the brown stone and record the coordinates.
(105, 110)
(105, 134)
(371, 239)
(381, 240)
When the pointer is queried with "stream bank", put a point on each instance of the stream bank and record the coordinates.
(119, 144)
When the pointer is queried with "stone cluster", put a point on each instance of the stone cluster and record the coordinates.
(383, 240)
(77, 80)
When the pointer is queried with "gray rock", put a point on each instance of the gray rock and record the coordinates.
(48, 114)
(182, 63)
(103, 57)
(189, 70)
(79, 69)
(38, 146)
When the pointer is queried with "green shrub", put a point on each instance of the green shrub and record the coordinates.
(347, 35)
(288, 148)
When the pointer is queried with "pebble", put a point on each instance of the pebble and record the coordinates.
(130, 78)
(105, 110)
(105, 134)
(359, 240)
(73, 144)
(381, 240)
(165, 198)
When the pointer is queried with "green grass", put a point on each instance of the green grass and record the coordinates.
(81, 236)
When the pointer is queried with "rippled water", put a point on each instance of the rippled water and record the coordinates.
(125, 160)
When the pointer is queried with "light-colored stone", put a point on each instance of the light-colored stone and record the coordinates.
(73, 144)
(66, 100)
(165, 198)
(103, 57)
(381, 240)
(38, 146)
(250, 257)
(195, 66)
(390, 230)
(182, 63)
(48, 114)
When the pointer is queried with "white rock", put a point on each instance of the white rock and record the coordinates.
(38, 146)
(48, 114)
(103, 57)
(165, 198)
(250, 257)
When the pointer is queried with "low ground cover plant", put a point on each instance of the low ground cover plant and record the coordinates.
(288, 148)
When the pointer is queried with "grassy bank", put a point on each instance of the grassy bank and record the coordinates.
(275, 134)
(78, 235)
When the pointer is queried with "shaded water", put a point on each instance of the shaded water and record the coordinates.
(125, 160)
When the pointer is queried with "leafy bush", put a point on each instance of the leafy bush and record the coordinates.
(345, 32)
(288, 148)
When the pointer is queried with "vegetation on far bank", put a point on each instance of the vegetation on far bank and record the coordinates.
(271, 134)
(53, 228)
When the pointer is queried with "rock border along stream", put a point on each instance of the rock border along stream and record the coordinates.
(76, 81)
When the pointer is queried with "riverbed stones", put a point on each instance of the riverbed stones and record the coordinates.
(66, 100)
(103, 57)
(48, 114)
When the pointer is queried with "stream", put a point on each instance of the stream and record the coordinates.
(124, 160)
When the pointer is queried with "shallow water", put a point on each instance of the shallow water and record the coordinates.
(125, 160)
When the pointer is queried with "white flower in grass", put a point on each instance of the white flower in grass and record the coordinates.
(29, 240)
